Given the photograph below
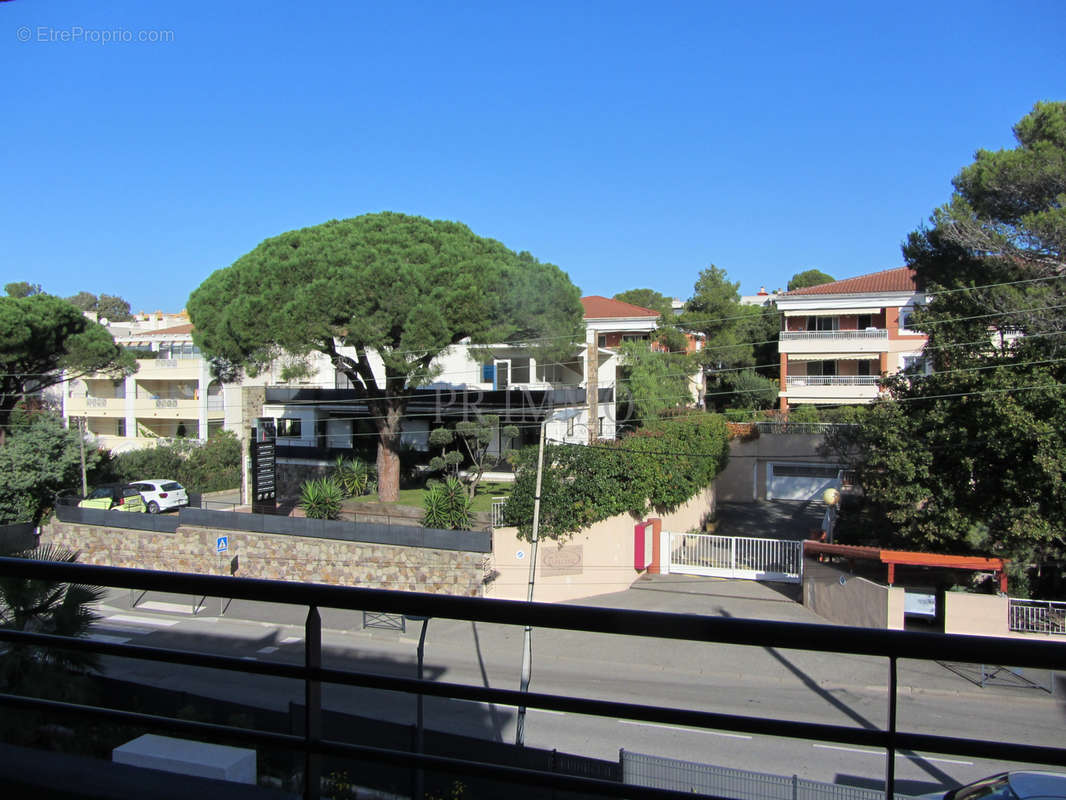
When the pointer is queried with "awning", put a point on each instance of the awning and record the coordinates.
(834, 356)
(832, 312)
(565, 414)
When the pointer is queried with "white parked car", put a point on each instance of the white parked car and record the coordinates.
(161, 495)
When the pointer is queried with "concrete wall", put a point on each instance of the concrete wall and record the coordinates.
(744, 478)
(277, 557)
(983, 615)
(846, 599)
(595, 561)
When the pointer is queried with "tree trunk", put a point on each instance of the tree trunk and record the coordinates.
(388, 425)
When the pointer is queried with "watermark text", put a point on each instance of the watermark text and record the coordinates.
(76, 34)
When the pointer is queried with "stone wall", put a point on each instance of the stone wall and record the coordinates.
(277, 557)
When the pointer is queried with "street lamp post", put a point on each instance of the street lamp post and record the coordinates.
(527, 640)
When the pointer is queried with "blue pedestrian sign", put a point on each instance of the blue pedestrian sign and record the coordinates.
(222, 544)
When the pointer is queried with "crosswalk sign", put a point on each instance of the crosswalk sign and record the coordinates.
(222, 544)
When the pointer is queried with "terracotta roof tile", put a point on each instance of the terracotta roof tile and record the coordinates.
(176, 329)
(597, 307)
(901, 279)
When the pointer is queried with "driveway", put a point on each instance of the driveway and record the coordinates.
(771, 519)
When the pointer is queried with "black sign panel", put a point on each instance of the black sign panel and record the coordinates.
(264, 468)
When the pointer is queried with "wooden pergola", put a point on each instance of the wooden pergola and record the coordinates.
(997, 566)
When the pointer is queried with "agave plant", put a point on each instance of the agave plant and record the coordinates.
(355, 476)
(321, 498)
(446, 506)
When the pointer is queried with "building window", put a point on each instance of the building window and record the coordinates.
(915, 364)
(288, 426)
(635, 337)
(823, 323)
(601, 340)
(599, 427)
(865, 368)
(519, 370)
(570, 427)
(905, 318)
(865, 321)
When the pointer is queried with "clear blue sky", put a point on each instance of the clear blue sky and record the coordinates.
(632, 144)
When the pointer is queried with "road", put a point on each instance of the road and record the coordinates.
(735, 679)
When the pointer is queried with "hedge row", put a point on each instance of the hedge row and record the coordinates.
(658, 467)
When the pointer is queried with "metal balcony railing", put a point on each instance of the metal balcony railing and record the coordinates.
(891, 645)
(832, 380)
(822, 336)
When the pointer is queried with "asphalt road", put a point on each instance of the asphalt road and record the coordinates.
(786, 684)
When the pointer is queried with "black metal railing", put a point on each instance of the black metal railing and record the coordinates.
(892, 645)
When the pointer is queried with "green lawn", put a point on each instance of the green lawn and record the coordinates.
(482, 500)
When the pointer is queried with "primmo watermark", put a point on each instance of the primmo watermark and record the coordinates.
(76, 34)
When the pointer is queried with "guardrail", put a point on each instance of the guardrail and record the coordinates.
(313, 745)
(821, 336)
(1037, 616)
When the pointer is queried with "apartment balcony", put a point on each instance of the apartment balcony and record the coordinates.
(169, 369)
(87, 406)
(144, 408)
(831, 389)
(313, 741)
(832, 342)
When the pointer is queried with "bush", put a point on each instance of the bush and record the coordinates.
(355, 476)
(804, 413)
(446, 505)
(211, 466)
(662, 465)
(321, 498)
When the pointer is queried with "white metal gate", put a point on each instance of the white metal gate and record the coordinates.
(735, 557)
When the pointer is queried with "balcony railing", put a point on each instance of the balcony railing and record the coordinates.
(832, 380)
(822, 336)
(1038, 616)
(311, 743)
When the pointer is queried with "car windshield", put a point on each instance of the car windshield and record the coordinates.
(995, 788)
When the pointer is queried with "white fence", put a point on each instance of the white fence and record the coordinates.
(734, 557)
(689, 776)
(1037, 616)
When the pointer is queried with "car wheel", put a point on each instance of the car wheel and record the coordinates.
(153, 507)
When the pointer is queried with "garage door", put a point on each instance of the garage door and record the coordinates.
(799, 481)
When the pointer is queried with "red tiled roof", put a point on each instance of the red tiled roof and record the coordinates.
(901, 279)
(597, 307)
(186, 328)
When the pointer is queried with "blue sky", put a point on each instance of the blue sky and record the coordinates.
(632, 144)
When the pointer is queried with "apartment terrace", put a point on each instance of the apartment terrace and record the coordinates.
(313, 746)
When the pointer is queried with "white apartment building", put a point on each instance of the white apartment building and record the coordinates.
(839, 338)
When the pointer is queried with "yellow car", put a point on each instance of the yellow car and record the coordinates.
(114, 497)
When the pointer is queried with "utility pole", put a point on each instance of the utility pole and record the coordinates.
(592, 387)
(527, 641)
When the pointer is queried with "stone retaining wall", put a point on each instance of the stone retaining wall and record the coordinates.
(277, 557)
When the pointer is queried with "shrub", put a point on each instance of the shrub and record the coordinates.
(211, 466)
(804, 413)
(446, 506)
(355, 476)
(662, 465)
(321, 498)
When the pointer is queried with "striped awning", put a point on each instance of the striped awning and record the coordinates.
(832, 312)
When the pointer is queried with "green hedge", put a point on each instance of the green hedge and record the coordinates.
(211, 466)
(659, 466)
